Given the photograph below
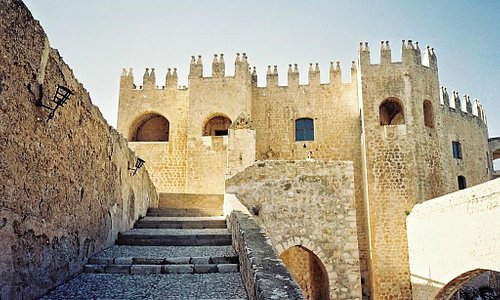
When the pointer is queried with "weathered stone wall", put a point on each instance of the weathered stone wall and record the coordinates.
(453, 234)
(310, 204)
(65, 190)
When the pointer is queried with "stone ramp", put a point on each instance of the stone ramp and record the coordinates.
(153, 287)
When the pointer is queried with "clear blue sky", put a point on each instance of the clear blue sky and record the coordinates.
(97, 38)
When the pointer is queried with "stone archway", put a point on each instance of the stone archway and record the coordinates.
(308, 271)
(151, 127)
(475, 284)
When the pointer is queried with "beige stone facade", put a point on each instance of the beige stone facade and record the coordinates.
(409, 139)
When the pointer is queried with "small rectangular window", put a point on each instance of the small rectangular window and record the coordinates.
(304, 129)
(221, 132)
(457, 150)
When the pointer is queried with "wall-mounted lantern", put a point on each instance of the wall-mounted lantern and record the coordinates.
(61, 96)
(138, 164)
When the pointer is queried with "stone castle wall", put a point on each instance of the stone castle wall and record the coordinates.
(65, 188)
(395, 166)
(308, 204)
(451, 235)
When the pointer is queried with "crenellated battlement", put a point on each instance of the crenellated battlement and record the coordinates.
(242, 70)
(410, 55)
(464, 105)
(149, 80)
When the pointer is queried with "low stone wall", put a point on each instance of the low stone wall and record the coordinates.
(452, 235)
(263, 273)
(65, 187)
(309, 204)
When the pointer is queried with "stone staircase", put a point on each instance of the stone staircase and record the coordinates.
(176, 253)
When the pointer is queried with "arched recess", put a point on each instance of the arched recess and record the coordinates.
(391, 112)
(217, 126)
(151, 127)
(475, 284)
(428, 114)
(308, 271)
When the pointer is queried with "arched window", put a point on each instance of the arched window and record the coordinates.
(461, 182)
(217, 126)
(151, 128)
(391, 112)
(304, 129)
(428, 114)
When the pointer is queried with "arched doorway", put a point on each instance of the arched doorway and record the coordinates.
(471, 285)
(217, 126)
(308, 271)
(152, 127)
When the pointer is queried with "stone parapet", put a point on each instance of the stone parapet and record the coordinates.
(263, 273)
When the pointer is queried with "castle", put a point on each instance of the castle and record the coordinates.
(409, 140)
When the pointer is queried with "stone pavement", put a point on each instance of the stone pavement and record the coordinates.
(195, 260)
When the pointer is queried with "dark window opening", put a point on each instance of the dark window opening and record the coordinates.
(304, 129)
(391, 112)
(217, 126)
(428, 114)
(221, 132)
(461, 182)
(457, 150)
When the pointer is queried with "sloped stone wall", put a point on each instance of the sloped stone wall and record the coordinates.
(65, 190)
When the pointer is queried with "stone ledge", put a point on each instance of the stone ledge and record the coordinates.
(263, 273)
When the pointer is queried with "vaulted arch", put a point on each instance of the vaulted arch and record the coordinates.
(217, 126)
(151, 127)
(308, 271)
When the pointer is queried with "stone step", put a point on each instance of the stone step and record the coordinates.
(181, 223)
(175, 237)
(156, 252)
(144, 269)
(186, 260)
(183, 212)
(177, 240)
